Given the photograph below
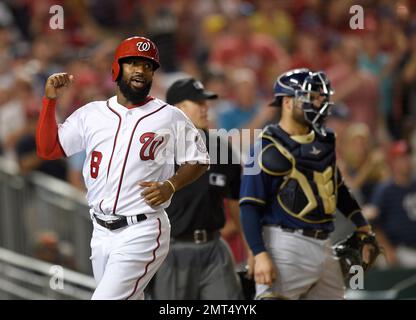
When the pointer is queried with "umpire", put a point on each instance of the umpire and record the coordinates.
(199, 265)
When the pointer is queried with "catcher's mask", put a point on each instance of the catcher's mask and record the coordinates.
(311, 89)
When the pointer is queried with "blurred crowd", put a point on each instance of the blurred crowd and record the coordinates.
(237, 48)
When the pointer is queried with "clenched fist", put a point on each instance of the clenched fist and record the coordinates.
(56, 82)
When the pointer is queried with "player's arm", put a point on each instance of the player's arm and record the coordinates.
(269, 167)
(264, 269)
(252, 201)
(349, 206)
(250, 215)
(157, 193)
(47, 140)
(253, 196)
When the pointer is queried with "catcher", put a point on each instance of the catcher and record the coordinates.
(288, 208)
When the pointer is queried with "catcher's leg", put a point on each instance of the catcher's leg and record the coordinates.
(330, 285)
(298, 260)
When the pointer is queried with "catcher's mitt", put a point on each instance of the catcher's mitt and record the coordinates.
(350, 251)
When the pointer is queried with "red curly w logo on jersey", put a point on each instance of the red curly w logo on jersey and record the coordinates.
(150, 145)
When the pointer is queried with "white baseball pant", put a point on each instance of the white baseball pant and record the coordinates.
(124, 260)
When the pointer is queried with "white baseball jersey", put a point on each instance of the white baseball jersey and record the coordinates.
(125, 146)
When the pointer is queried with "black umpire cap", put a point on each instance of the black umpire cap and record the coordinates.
(188, 89)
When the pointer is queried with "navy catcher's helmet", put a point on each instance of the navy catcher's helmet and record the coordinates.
(288, 83)
(305, 86)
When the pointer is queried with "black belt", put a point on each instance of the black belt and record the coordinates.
(198, 236)
(311, 233)
(120, 222)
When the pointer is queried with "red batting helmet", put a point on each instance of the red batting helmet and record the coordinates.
(135, 47)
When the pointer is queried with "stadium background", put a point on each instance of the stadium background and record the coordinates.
(237, 48)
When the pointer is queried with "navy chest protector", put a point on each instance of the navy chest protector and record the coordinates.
(308, 167)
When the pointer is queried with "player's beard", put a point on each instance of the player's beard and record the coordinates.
(299, 116)
(135, 96)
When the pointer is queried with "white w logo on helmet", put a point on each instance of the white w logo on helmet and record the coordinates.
(143, 46)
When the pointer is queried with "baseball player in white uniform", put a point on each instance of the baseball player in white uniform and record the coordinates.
(132, 142)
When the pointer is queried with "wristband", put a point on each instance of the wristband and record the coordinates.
(171, 184)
